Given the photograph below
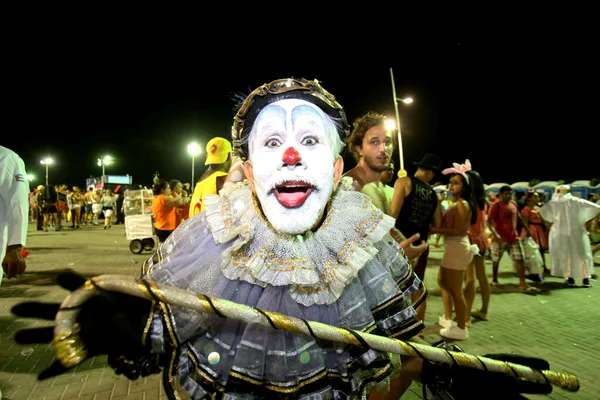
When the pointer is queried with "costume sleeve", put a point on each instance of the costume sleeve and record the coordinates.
(15, 189)
(547, 212)
(588, 209)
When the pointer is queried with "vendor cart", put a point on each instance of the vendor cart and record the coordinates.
(139, 220)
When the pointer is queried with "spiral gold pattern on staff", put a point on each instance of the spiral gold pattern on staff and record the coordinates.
(67, 342)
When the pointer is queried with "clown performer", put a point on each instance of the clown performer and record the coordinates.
(570, 248)
(294, 239)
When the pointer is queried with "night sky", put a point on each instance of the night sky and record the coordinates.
(516, 97)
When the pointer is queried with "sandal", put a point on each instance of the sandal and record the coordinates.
(479, 315)
(495, 284)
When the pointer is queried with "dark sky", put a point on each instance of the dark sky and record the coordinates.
(516, 96)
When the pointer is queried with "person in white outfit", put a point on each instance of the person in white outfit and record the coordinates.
(14, 211)
(570, 249)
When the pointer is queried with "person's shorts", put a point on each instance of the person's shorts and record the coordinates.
(162, 235)
(458, 253)
(108, 211)
(49, 209)
(515, 250)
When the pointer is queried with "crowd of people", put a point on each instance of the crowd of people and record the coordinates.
(276, 224)
(53, 207)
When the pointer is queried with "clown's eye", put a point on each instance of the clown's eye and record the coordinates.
(309, 141)
(273, 143)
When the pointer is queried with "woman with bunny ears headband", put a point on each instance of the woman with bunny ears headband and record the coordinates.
(458, 251)
(478, 237)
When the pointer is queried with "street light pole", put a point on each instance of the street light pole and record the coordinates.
(193, 170)
(193, 149)
(402, 171)
(46, 161)
(102, 162)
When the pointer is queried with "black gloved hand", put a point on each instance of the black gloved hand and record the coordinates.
(464, 383)
(110, 323)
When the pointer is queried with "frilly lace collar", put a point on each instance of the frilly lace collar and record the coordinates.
(317, 265)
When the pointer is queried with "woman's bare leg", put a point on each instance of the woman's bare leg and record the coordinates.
(484, 284)
(469, 291)
(453, 280)
(446, 297)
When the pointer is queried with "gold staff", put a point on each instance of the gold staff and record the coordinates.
(70, 351)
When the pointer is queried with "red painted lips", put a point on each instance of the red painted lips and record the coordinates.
(293, 194)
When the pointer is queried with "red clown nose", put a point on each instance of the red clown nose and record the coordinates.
(291, 156)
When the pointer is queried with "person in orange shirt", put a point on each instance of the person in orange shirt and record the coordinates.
(164, 208)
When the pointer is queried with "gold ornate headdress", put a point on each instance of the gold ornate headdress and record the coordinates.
(280, 89)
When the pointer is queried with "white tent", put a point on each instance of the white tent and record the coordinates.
(581, 182)
(440, 188)
(581, 189)
(547, 187)
(495, 187)
(520, 187)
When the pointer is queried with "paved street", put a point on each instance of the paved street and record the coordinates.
(560, 325)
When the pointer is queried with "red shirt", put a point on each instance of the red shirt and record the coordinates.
(185, 212)
(504, 216)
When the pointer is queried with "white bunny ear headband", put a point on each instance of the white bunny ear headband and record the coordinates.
(459, 169)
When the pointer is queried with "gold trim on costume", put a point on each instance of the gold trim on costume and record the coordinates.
(413, 326)
(374, 377)
(148, 323)
(268, 257)
(171, 373)
(209, 379)
(275, 388)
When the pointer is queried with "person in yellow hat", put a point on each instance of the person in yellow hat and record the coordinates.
(218, 159)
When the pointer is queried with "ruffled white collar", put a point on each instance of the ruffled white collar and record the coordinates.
(317, 265)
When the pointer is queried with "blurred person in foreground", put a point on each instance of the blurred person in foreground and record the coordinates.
(14, 212)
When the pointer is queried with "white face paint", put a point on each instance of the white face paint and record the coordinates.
(292, 158)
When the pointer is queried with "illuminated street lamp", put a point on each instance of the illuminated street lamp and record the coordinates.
(104, 161)
(30, 177)
(47, 161)
(408, 100)
(390, 125)
(193, 149)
